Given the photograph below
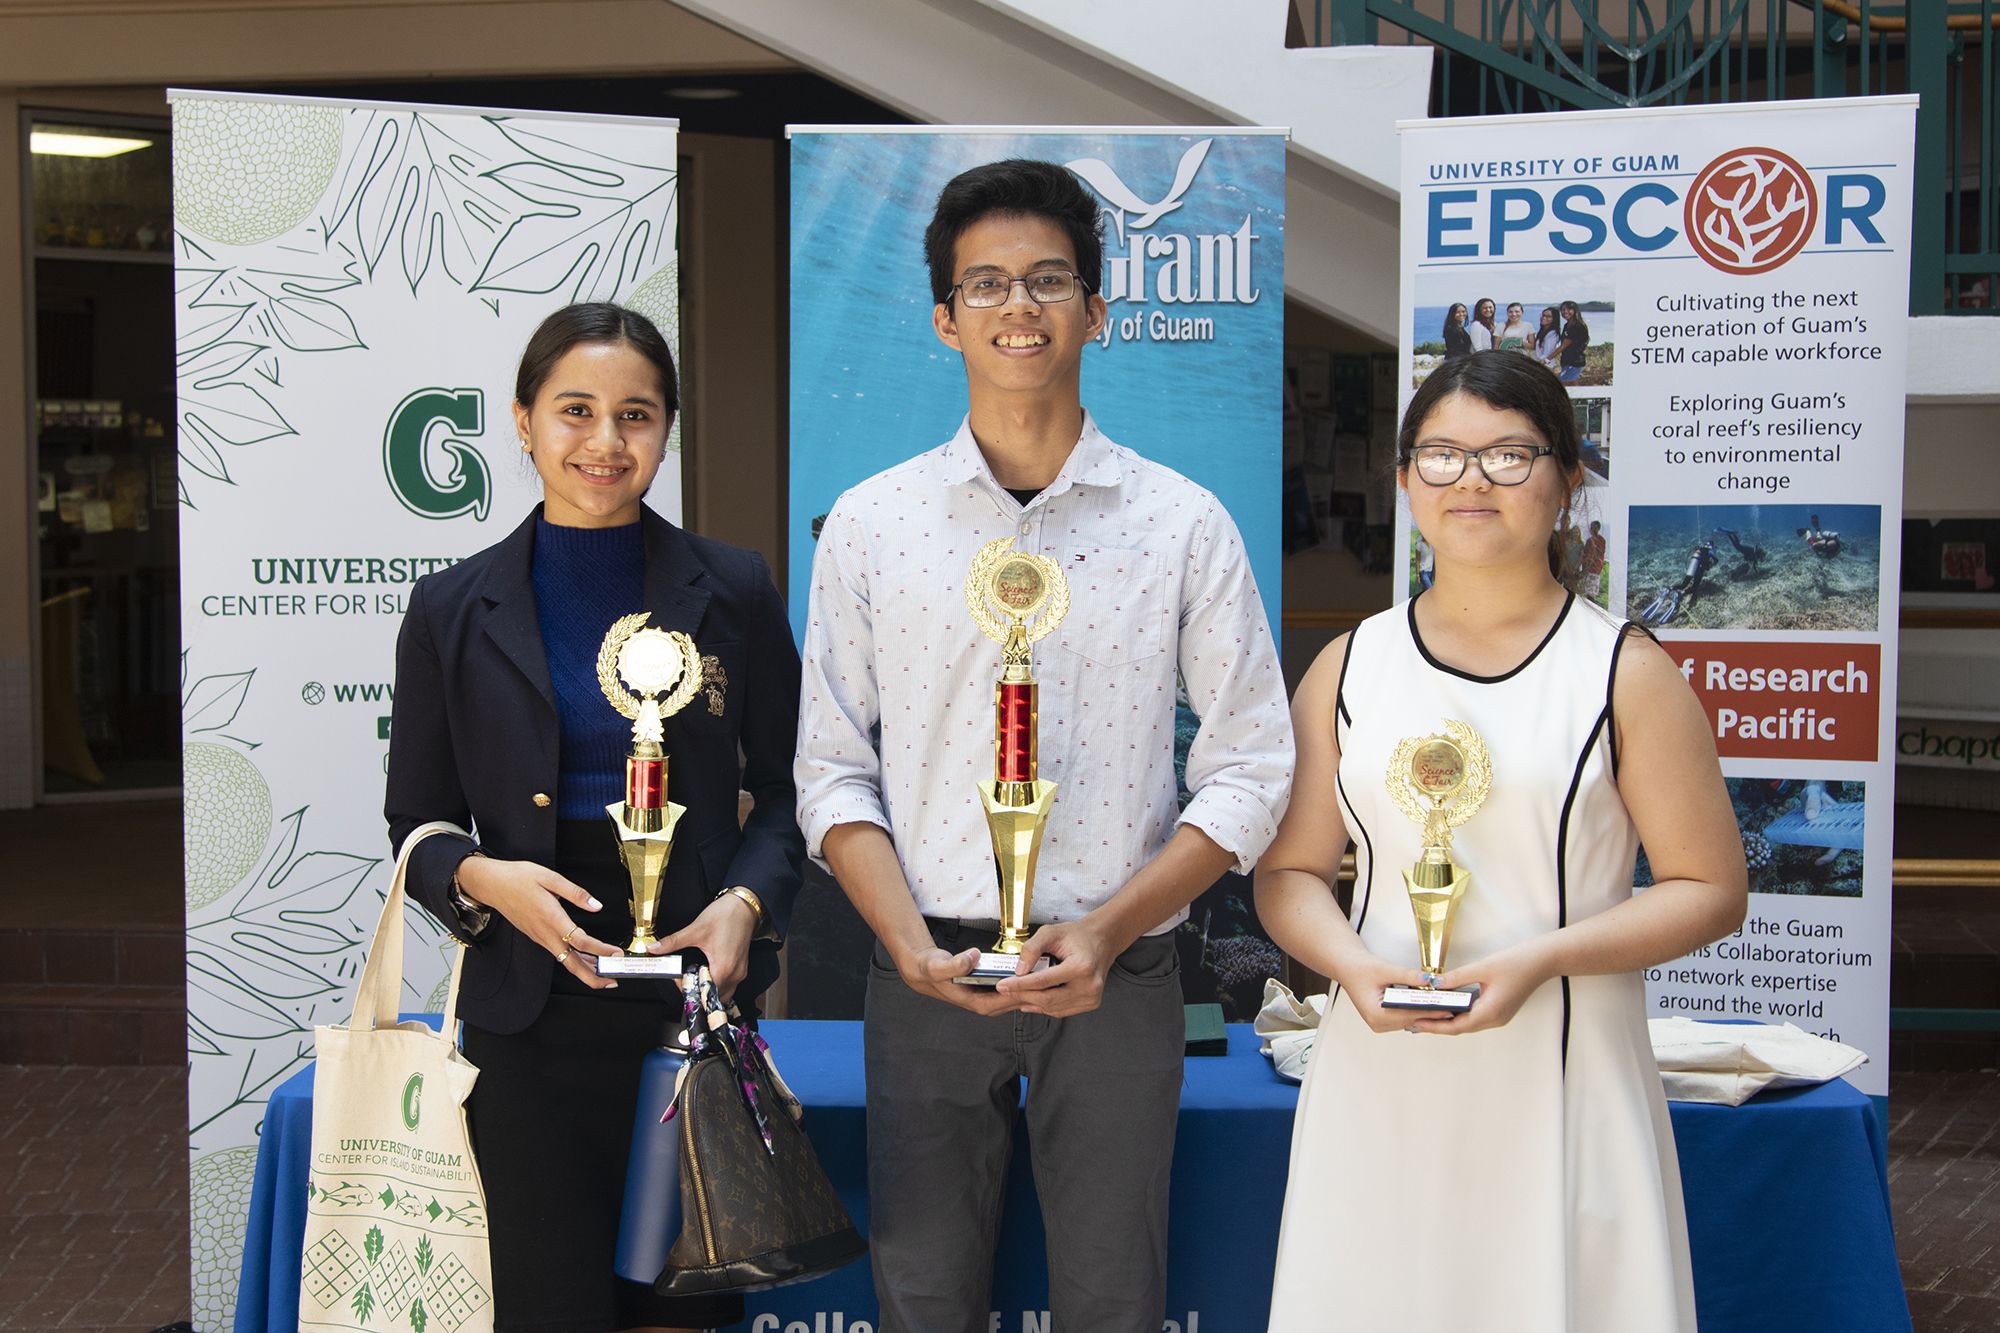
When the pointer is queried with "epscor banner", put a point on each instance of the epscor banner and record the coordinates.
(354, 283)
(1725, 292)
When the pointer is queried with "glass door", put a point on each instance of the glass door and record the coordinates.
(107, 487)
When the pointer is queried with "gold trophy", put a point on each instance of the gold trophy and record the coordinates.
(648, 675)
(1440, 782)
(1023, 588)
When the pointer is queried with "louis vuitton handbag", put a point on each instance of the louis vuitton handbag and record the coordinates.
(395, 1238)
(757, 1210)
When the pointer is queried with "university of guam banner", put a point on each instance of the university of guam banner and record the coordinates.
(1736, 281)
(354, 285)
(1188, 372)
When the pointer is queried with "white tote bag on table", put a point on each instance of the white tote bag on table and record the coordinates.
(395, 1214)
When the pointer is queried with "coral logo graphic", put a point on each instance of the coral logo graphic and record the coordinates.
(1751, 210)
(413, 1093)
(466, 487)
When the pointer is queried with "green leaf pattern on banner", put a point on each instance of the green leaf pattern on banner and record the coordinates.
(215, 701)
(419, 185)
(589, 232)
(417, 202)
(274, 957)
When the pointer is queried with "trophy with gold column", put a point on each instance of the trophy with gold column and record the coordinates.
(1016, 599)
(1440, 782)
(648, 675)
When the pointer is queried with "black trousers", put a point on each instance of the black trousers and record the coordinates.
(551, 1119)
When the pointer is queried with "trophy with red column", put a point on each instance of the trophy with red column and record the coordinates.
(648, 675)
(1016, 599)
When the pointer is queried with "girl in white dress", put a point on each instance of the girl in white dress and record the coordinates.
(1512, 1168)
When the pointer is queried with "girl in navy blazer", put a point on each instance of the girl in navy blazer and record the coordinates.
(500, 727)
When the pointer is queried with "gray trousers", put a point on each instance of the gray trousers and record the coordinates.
(1103, 1100)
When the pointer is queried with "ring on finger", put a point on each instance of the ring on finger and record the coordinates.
(567, 933)
(563, 957)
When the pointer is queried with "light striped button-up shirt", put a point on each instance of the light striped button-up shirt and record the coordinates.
(896, 712)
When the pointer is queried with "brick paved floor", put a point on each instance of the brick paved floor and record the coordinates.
(93, 1198)
(1944, 1182)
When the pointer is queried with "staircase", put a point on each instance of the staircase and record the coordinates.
(1146, 62)
(92, 949)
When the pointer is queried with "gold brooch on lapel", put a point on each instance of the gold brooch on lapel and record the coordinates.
(714, 682)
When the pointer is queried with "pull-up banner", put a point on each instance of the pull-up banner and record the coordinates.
(1188, 372)
(1725, 292)
(354, 286)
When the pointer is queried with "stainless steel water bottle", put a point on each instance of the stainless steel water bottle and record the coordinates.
(650, 1221)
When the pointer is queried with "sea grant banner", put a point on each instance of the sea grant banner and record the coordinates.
(1188, 372)
(355, 283)
(1732, 285)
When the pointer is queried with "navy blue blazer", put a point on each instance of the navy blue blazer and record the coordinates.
(473, 739)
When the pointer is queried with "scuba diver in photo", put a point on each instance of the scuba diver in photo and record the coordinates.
(1822, 542)
(1753, 557)
(1766, 800)
(1671, 601)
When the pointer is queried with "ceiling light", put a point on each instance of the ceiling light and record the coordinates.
(704, 93)
(65, 143)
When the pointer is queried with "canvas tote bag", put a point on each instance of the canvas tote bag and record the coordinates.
(395, 1213)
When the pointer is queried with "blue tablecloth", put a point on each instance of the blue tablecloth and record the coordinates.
(1788, 1204)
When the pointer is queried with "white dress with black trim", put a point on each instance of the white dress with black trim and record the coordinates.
(1516, 1180)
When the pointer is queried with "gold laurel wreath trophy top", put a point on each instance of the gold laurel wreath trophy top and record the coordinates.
(1440, 782)
(648, 675)
(1016, 599)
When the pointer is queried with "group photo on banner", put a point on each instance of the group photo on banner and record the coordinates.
(971, 916)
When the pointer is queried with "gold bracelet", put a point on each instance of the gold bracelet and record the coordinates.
(756, 906)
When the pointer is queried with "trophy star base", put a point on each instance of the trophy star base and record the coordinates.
(641, 965)
(994, 968)
(1422, 997)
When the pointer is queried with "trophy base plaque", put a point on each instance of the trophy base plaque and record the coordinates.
(994, 968)
(641, 965)
(1428, 997)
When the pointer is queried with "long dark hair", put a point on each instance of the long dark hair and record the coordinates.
(1508, 382)
(1455, 308)
(594, 322)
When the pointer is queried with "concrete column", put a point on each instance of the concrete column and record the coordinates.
(733, 337)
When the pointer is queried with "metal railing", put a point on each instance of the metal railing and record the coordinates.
(1505, 56)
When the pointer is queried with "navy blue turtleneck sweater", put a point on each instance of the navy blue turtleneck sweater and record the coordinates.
(586, 578)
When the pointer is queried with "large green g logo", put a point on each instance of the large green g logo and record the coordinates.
(413, 1093)
(468, 486)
